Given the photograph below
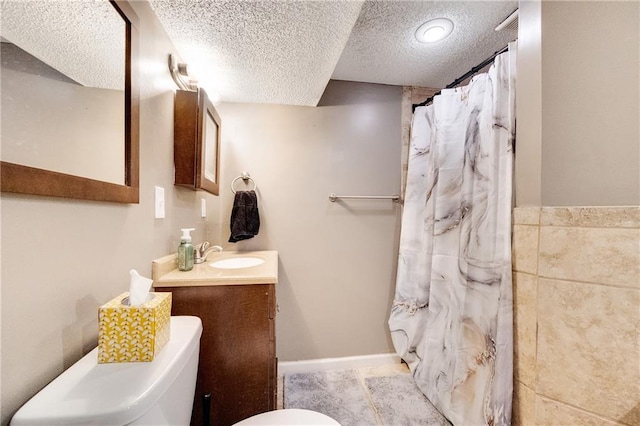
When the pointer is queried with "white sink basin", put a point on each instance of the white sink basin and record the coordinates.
(237, 262)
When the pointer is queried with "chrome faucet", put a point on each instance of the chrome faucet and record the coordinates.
(201, 251)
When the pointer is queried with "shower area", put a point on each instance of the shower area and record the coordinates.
(451, 320)
(575, 241)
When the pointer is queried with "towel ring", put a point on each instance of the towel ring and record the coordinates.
(246, 178)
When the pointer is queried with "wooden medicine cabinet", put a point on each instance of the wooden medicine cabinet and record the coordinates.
(196, 146)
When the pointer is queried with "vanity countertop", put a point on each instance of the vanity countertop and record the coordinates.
(165, 271)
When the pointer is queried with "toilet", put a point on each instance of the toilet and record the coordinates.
(139, 393)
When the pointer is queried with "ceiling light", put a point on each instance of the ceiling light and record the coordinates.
(434, 30)
(433, 34)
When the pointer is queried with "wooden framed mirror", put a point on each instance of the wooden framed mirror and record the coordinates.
(54, 141)
(196, 142)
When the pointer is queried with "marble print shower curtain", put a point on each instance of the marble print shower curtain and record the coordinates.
(451, 319)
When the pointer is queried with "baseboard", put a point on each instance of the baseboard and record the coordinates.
(349, 362)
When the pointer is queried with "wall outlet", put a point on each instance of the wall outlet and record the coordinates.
(159, 202)
(203, 207)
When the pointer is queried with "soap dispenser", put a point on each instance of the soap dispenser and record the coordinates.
(185, 250)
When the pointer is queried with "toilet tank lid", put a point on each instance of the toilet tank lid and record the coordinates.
(92, 393)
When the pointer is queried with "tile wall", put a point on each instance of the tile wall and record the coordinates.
(577, 315)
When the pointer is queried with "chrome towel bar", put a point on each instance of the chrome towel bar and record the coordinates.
(395, 198)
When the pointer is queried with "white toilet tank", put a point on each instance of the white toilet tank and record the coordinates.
(141, 393)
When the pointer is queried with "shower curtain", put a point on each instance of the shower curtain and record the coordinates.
(451, 319)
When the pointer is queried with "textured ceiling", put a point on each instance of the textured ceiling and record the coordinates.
(260, 51)
(382, 47)
(56, 32)
(270, 51)
(284, 51)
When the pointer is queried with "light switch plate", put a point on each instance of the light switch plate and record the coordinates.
(203, 207)
(159, 202)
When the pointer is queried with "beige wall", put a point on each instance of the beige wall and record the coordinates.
(61, 259)
(590, 75)
(576, 294)
(527, 167)
(337, 260)
(578, 104)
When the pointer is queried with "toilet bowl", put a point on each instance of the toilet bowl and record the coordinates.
(289, 417)
(138, 393)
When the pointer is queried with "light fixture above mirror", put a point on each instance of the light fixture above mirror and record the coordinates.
(180, 73)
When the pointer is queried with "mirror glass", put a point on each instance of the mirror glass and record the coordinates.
(63, 87)
(211, 149)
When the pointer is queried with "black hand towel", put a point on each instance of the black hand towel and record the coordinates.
(245, 220)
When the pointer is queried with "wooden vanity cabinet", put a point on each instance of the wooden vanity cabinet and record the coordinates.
(237, 349)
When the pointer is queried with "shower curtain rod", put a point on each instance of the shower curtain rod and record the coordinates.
(462, 78)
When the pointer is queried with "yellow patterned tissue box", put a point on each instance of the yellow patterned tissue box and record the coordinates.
(133, 333)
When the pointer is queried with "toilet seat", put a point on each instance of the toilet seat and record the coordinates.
(289, 417)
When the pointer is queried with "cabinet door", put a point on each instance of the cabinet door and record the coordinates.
(236, 348)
